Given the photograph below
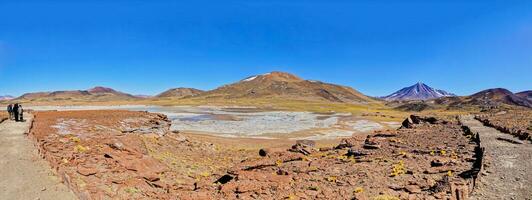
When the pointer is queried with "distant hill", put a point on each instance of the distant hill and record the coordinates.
(491, 97)
(419, 91)
(6, 97)
(525, 94)
(285, 86)
(93, 94)
(103, 90)
(179, 93)
(415, 106)
(499, 95)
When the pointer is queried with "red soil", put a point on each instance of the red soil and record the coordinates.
(133, 155)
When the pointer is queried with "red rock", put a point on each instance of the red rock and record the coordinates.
(86, 171)
(347, 143)
(413, 189)
(248, 186)
(360, 196)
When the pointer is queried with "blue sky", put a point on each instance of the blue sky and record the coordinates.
(377, 47)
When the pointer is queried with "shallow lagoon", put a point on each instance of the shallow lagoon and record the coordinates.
(250, 122)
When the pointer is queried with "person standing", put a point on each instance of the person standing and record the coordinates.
(15, 112)
(10, 111)
(20, 112)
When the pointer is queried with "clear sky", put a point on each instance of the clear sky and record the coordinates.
(376, 47)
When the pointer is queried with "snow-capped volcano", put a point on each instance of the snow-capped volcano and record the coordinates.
(285, 86)
(419, 91)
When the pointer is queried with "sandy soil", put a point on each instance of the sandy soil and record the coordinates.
(252, 144)
(24, 174)
(508, 171)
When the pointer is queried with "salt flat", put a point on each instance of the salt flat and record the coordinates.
(250, 122)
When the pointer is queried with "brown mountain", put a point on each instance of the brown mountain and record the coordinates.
(179, 93)
(6, 97)
(33, 95)
(101, 90)
(93, 94)
(492, 97)
(286, 86)
(525, 94)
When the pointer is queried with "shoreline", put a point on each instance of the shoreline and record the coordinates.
(248, 122)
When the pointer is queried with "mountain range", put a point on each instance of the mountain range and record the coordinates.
(493, 97)
(525, 94)
(418, 91)
(6, 97)
(94, 94)
(274, 85)
(279, 86)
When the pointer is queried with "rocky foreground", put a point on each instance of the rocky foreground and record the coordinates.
(127, 155)
(515, 122)
(425, 159)
(134, 155)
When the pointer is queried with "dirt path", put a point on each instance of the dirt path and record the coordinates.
(508, 173)
(23, 174)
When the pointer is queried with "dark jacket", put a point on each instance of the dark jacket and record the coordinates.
(15, 108)
(10, 108)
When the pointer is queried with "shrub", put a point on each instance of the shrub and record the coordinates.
(80, 149)
(332, 179)
(314, 188)
(75, 139)
(359, 190)
(398, 169)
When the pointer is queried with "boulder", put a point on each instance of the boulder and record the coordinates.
(306, 147)
(306, 143)
(264, 152)
(346, 143)
(459, 192)
(439, 162)
(413, 189)
(407, 123)
(356, 153)
(371, 143)
(87, 171)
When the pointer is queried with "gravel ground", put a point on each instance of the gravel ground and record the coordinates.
(24, 174)
(507, 175)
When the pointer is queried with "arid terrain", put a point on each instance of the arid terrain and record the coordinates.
(141, 158)
(265, 100)
(120, 154)
(506, 166)
(133, 154)
(514, 122)
(251, 122)
(270, 136)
